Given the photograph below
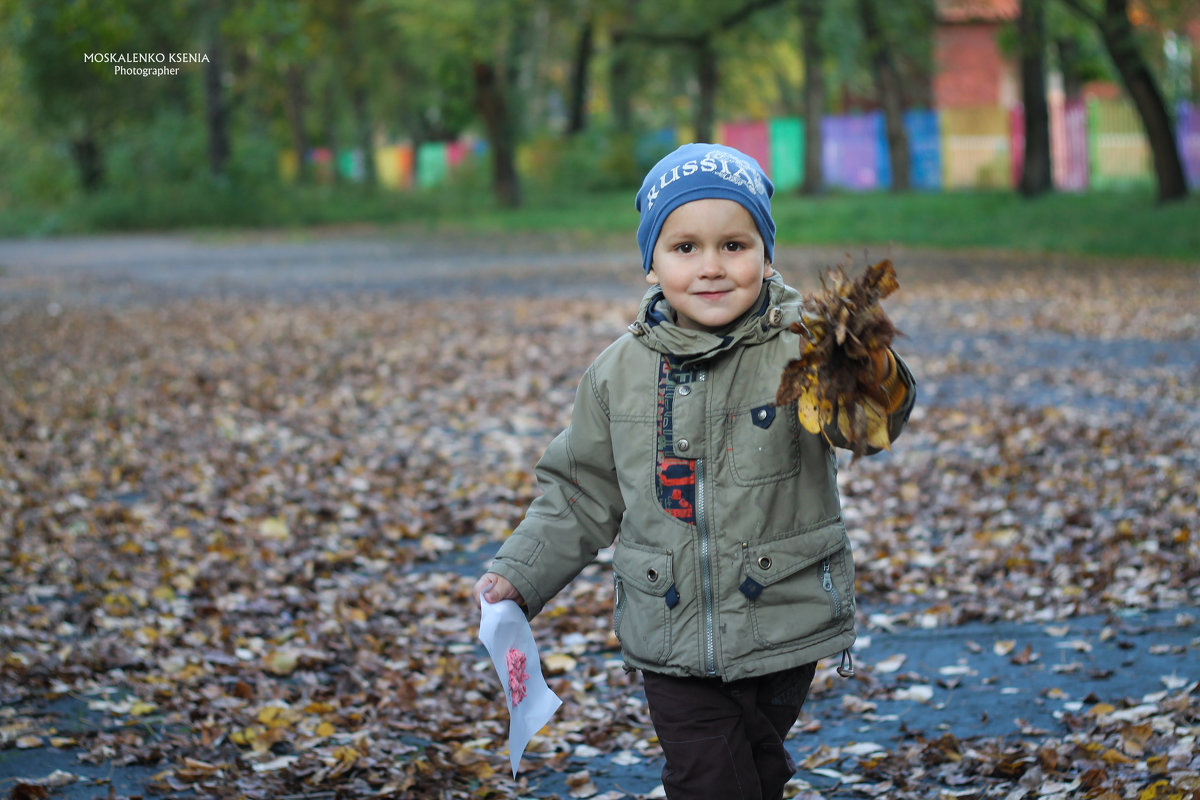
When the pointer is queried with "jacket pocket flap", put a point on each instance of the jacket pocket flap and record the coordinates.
(647, 569)
(768, 562)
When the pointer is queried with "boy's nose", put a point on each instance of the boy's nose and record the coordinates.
(711, 264)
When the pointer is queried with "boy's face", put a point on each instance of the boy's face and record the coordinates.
(711, 263)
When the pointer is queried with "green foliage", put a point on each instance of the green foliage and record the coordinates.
(346, 72)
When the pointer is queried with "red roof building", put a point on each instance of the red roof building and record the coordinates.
(969, 69)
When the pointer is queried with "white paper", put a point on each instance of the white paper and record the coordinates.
(504, 629)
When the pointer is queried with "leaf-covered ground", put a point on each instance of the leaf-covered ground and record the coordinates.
(241, 525)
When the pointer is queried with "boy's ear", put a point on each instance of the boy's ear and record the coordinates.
(652, 277)
(768, 270)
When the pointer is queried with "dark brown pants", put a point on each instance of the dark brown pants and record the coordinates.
(725, 741)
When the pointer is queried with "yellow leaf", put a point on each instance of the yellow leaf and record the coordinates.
(282, 662)
(141, 708)
(808, 410)
(1157, 765)
(273, 528)
(269, 714)
(1155, 791)
(877, 427)
(326, 729)
(556, 663)
(1101, 709)
(1115, 757)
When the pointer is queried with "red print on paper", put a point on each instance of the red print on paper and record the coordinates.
(516, 675)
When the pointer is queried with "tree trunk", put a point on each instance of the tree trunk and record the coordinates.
(1036, 176)
(891, 99)
(330, 132)
(296, 101)
(1121, 43)
(577, 113)
(89, 160)
(216, 111)
(1068, 57)
(620, 87)
(814, 95)
(362, 120)
(493, 108)
(706, 76)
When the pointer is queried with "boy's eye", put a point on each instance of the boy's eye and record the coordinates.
(733, 247)
(685, 247)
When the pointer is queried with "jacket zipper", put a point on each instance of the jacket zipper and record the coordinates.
(619, 591)
(706, 580)
(827, 585)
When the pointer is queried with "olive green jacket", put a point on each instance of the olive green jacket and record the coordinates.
(764, 579)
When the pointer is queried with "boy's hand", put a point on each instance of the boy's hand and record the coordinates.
(495, 588)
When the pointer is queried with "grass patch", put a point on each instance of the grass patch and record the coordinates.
(1122, 224)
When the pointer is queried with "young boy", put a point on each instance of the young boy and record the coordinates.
(733, 569)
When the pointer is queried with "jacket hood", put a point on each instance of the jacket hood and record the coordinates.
(777, 307)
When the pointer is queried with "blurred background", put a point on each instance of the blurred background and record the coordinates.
(393, 111)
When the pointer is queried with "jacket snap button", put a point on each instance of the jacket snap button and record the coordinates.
(764, 562)
(682, 445)
(684, 391)
(652, 574)
(762, 413)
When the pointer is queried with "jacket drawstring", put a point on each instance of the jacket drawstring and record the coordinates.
(846, 668)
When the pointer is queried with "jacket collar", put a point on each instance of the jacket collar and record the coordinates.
(778, 305)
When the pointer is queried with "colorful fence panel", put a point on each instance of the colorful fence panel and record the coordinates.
(351, 165)
(289, 166)
(431, 165)
(1068, 144)
(850, 151)
(1099, 144)
(1119, 153)
(787, 152)
(1187, 135)
(457, 152)
(975, 148)
(924, 149)
(394, 165)
(752, 138)
(320, 161)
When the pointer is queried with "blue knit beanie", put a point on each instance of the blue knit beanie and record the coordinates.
(696, 172)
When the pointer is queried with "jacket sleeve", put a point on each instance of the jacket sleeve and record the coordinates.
(901, 389)
(579, 511)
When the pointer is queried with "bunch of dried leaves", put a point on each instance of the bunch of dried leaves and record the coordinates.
(845, 330)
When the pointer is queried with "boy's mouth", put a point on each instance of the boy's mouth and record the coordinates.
(711, 295)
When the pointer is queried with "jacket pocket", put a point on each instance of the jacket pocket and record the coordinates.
(798, 585)
(764, 443)
(645, 595)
